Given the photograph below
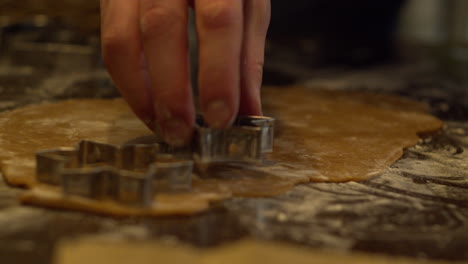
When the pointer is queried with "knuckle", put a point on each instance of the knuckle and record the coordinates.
(256, 67)
(218, 14)
(159, 20)
(255, 70)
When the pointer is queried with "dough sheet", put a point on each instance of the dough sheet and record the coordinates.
(321, 136)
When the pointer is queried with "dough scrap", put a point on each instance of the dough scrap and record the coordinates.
(321, 136)
(97, 250)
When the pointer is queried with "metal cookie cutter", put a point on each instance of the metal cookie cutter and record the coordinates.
(246, 141)
(129, 174)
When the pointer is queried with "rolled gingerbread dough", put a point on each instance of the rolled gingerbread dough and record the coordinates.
(321, 136)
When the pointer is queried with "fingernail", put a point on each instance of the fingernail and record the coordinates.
(218, 114)
(176, 132)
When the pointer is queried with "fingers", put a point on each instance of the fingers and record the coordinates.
(220, 27)
(121, 49)
(232, 38)
(257, 20)
(163, 28)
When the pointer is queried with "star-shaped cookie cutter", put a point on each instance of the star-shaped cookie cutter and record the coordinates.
(129, 174)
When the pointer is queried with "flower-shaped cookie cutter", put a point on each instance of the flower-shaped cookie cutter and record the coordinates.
(132, 174)
(129, 174)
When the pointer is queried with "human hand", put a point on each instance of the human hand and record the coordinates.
(145, 49)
